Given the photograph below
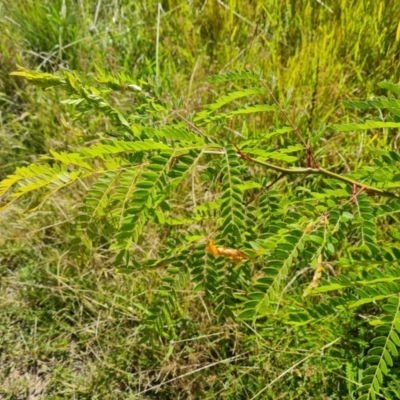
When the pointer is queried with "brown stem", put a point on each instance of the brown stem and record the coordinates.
(307, 146)
(318, 171)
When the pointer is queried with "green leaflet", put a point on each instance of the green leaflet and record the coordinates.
(214, 205)
(115, 147)
(379, 358)
(79, 92)
(232, 210)
(254, 109)
(70, 158)
(37, 176)
(366, 125)
(226, 100)
(281, 154)
(390, 86)
(376, 103)
(42, 180)
(341, 286)
(41, 79)
(249, 185)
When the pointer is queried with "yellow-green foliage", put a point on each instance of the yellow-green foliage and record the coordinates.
(161, 139)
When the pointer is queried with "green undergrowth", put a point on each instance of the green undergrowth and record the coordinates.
(110, 307)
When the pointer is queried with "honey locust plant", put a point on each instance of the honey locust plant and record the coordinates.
(241, 214)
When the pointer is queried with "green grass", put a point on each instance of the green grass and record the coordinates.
(68, 327)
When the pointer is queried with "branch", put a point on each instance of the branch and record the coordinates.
(307, 147)
(318, 171)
